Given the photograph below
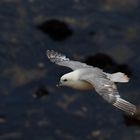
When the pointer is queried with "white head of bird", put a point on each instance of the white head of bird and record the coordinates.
(67, 80)
(72, 80)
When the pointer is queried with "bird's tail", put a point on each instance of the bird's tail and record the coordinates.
(118, 77)
(125, 106)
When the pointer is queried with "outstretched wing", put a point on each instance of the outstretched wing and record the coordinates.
(108, 90)
(61, 59)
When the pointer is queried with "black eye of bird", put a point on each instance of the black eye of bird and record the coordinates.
(65, 80)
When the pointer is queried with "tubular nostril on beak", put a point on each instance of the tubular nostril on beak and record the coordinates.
(59, 84)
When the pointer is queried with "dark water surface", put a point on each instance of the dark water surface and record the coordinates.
(101, 33)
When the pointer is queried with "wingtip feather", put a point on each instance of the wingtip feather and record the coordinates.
(125, 106)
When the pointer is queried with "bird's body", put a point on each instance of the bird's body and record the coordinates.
(85, 77)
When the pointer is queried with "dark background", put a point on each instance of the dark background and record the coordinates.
(103, 33)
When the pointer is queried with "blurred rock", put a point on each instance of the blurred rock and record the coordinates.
(92, 33)
(56, 29)
(120, 4)
(43, 123)
(121, 53)
(66, 101)
(3, 119)
(20, 76)
(41, 92)
(96, 133)
(81, 113)
(64, 135)
(10, 136)
(100, 60)
(41, 65)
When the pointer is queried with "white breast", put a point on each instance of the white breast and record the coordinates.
(81, 85)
